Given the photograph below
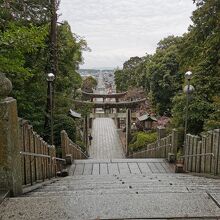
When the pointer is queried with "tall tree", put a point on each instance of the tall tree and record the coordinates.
(199, 52)
(25, 58)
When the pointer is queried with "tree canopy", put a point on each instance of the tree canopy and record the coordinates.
(25, 58)
(161, 75)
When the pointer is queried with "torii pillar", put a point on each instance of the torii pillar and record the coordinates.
(117, 118)
(128, 130)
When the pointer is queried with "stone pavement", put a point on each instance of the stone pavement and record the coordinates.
(120, 166)
(106, 143)
(119, 196)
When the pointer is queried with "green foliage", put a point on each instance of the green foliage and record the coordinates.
(213, 121)
(18, 42)
(85, 109)
(131, 75)
(25, 12)
(141, 140)
(25, 58)
(158, 75)
(64, 122)
(121, 81)
(162, 74)
(88, 84)
(198, 112)
(199, 52)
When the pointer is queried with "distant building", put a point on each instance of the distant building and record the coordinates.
(147, 121)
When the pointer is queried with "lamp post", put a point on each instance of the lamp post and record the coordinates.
(188, 89)
(50, 79)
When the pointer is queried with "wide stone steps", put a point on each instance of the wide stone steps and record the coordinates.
(120, 166)
(123, 195)
(137, 184)
(113, 206)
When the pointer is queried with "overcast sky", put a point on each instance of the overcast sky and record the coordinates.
(115, 30)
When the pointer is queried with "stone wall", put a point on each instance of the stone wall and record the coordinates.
(10, 169)
(202, 154)
(38, 158)
(25, 158)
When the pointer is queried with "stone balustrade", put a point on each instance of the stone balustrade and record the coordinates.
(202, 154)
(70, 150)
(161, 148)
(38, 158)
(25, 158)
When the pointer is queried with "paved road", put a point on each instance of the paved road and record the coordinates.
(106, 143)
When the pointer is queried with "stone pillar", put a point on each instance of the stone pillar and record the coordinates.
(86, 133)
(128, 129)
(90, 123)
(63, 143)
(118, 119)
(161, 132)
(175, 141)
(10, 159)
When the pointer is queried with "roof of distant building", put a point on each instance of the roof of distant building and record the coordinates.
(147, 117)
(75, 114)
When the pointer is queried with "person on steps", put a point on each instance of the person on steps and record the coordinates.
(90, 139)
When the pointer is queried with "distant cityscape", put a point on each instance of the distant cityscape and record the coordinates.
(95, 72)
(107, 74)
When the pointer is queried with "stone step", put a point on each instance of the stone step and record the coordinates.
(189, 188)
(135, 176)
(135, 179)
(122, 190)
(138, 183)
(121, 167)
(144, 160)
(113, 206)
(138, 180)
(158, 181)
(106, 191)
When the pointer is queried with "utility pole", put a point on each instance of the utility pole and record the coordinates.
(53, 37)
(53, 64)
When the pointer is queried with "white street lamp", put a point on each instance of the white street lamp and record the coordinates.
(50, 77)
(188, 89)
(188, 75)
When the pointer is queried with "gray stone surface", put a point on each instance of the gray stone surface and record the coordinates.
(119, 196)
(10, 160)
(216, 197)
(166, 205)
(102, 167)
(106, 143)
(3, 195)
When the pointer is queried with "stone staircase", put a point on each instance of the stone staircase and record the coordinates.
(119, 189)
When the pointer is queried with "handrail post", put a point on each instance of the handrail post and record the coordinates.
(10, 168)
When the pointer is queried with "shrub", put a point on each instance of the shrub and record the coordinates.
(141, 140)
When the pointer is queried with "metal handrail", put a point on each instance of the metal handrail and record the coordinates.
(34, 154)
(59, 159)
(199, 155)
(41, 155)
(152, 149)
(48, 173)
(77, 147)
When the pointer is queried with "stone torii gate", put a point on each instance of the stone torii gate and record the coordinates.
(128, 105)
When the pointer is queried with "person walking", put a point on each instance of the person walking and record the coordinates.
(90, 139)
